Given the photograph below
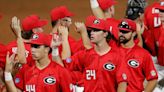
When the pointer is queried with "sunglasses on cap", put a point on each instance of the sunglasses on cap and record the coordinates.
(35, 46)
(124, 32)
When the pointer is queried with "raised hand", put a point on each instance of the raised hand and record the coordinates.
(15, 26)
(56, 41)
(63, 31)
(9, 62)
(80, 27)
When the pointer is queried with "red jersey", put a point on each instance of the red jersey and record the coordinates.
(53, 78)
(140, 65)
(152, 19)
(160, 52)
(101, 73)
(153, 23)
(12, 48)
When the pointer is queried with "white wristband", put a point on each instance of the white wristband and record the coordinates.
(94, 3)
(8, 76)
(55, 52)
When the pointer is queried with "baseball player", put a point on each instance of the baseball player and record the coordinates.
(104, 9)
(43, 76)
(103, 70)
(139, 61)
(62, 16)
(30, 25)
(160, 46)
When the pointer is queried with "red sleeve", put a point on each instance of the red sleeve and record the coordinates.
(75, 65)
(149, 69)
(75, 62)
(65, 80)
(19, 79)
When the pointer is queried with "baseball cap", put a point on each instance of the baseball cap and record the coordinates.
(60, 12)
(104, 4)
(95, 23)
(41, 39)
(160, 5)
(127, 25)
(32, 21)
(133, 12)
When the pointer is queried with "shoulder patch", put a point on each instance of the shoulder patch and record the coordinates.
(68, 60)
(50, 80)
(153, 73)
(17, 80)
(133, 63)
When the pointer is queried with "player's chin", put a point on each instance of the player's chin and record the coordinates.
(34, 57)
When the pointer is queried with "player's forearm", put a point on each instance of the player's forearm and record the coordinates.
(66, 51)
(21, 50)
(86, 41)
(150, 86)
(97, 11)
(122, 87)
(9, 82)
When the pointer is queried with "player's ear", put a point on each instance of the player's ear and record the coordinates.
(47, 49)
(134, 34)
(105, 34)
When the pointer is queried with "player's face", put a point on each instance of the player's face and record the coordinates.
(66, 21)
(38, 51)
(124, 36)
(161, 14)
(96, 36)
(39, 29)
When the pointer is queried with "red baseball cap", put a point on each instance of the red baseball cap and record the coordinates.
(41, 39)
(104, 4)
(160, 5)
(127, 25)
(93, 22)
(32, 21)
(60, 12)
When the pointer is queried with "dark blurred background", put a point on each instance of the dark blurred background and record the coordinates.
(23, 8)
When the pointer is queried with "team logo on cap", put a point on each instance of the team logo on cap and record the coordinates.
(109, 66)
(96, 21)
(35, 36)
(133, 63)
(49, 80)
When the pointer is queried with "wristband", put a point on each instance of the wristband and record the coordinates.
(55, 52)
(8, 76)
(94, 3)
